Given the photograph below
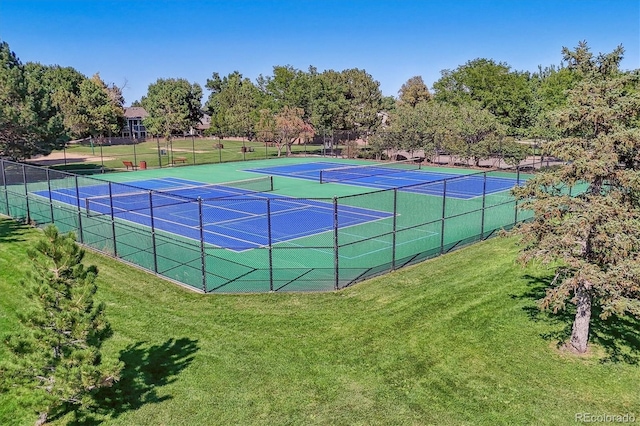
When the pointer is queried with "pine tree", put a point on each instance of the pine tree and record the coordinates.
(59, 351)
(593, 234)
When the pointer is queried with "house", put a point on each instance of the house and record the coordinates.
(203, 125)
(133, 127)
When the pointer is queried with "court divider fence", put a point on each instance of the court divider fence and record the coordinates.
(418, 222)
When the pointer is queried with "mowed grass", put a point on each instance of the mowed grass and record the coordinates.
(198, 151)
(455, 340)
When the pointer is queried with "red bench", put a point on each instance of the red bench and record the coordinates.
(130, 165)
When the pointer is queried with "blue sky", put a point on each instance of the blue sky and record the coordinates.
(136, 42)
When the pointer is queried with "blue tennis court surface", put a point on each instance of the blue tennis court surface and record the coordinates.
(231, 217)
(461, 186)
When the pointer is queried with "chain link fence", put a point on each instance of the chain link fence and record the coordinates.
(201, 244)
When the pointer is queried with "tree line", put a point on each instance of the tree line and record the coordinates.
(475, 111)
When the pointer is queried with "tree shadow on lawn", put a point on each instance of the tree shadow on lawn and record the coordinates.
(619, 336)
(145, 370)
(11, 231)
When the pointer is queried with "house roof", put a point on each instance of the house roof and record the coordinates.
(135, 112)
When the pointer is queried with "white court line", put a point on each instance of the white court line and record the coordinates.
(328, 206)
(330, 250)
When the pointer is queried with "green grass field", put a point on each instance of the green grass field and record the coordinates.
(160, 153)
(456, 340)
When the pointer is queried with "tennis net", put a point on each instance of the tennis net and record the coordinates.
(340, 174)
(144, 199)
(222, 190)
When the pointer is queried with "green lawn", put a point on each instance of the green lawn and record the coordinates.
(182, 151)
(455, 340)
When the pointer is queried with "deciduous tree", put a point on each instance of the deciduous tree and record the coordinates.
(174, 106)
(232, 104)
(97, 109)
(413, 92)
(507, 94)
(30, 120)
(475, 130)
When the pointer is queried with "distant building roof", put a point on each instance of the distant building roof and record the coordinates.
(135, 112)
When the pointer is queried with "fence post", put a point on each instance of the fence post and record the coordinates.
(270, 244)
(6, 190)
(202, 252)
(101, 158)
(515, 218)
(444, 212)
(484, 203)
(113, 221)
(335, 243)
(80, 233)
(135, 157)
(159, 152)
(395, 217)
(193, 147)
(26, 192)
(50, 199)
(153, 233)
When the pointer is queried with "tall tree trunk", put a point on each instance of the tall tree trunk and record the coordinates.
(580, 330)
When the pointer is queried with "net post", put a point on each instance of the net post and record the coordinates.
(203, 262)
(321, 175)
(444, 210)
(395, 218)
(270, 243)
(271, 183)
(79, 205)
(335, 244)
(26, 192)
(484, 203)
(4, 183)
(153, 233)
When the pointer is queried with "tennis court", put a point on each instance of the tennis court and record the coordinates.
(291, 224)
(404, 175)
(233, 215)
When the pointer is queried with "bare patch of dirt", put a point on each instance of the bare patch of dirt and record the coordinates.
(59, 158)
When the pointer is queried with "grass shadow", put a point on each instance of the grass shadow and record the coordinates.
(11, 231)
(619, 336)
(145, 370)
